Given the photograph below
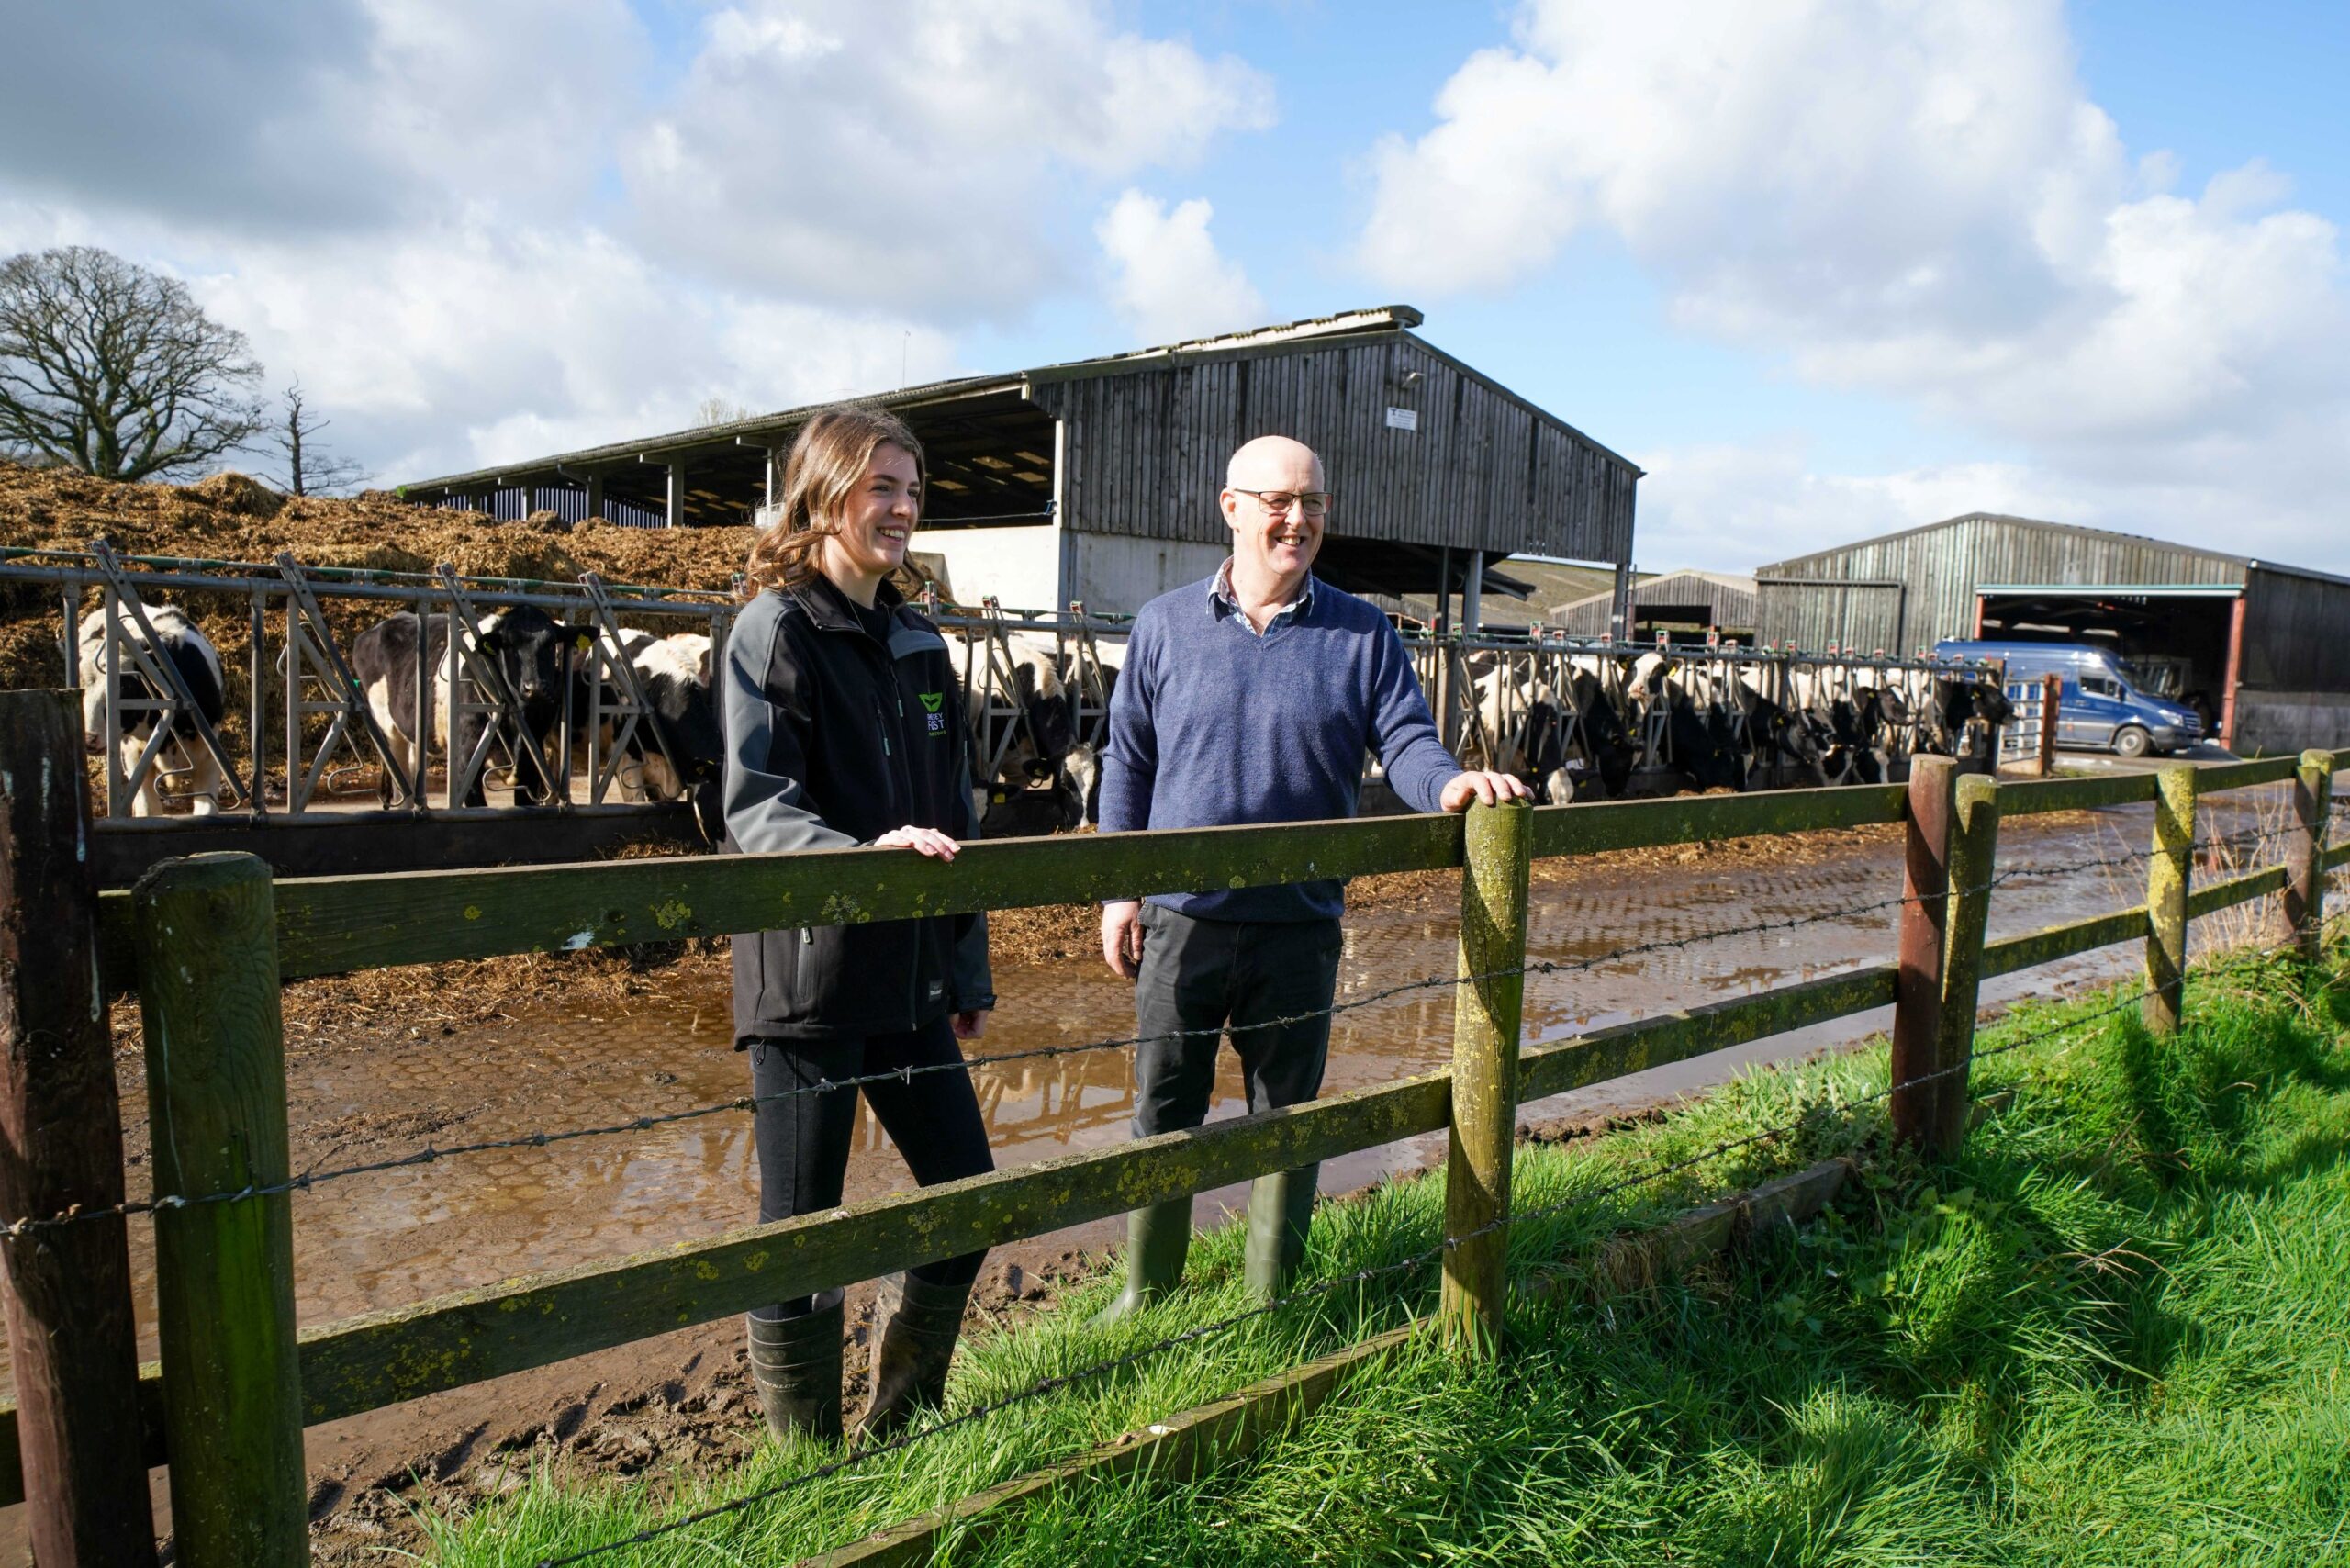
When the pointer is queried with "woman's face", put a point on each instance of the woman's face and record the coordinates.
(877, 518)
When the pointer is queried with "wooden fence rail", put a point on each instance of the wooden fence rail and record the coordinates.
(227, 1277)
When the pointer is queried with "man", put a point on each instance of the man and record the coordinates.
(1252, 698)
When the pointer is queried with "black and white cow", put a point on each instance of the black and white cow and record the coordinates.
(531, 651)
(682, 728)
(198, 665)
(1044, 717)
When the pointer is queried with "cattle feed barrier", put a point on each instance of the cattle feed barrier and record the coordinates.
(207, 942)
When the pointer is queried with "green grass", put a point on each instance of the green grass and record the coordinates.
(2116, 1330)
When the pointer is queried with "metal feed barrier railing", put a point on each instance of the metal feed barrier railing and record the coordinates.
(207, 943)
(325, 724)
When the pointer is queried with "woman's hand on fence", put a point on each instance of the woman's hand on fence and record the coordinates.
(1490, 789)
(1122, 936)
(971, 1024)
(925, 840)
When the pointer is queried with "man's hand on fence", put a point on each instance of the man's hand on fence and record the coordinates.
(1485, 789)
(971, 1024)
(1122, 936)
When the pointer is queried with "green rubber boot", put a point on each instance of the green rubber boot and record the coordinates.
(1281, 1207)
(796, 1368)
(912, 1352)
(1157, 1238)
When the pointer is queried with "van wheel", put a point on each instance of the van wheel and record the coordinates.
(2132, 740)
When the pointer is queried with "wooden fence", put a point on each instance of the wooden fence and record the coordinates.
(207, 943)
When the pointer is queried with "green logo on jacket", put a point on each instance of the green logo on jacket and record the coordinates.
(931, 701)
(934, 704)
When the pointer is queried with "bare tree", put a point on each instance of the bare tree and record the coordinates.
(310, 469)
(716, 410)
(112, 369)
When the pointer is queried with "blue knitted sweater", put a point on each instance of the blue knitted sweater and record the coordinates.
(1212, 724)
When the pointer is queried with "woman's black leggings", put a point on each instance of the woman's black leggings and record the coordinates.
(804, 1139)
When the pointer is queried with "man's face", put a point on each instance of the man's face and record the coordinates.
(1283, 543)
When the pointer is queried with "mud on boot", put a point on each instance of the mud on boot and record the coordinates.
(796, 1370)
(912, 1351)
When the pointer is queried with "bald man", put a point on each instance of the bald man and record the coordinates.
(1252, 698)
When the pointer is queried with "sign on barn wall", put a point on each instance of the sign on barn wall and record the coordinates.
(1402, 419)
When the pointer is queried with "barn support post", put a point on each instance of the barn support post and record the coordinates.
(71, 1330)
(596, 495)
(1923, 946)
(2305, 890)
(1974, 849)
(224, 1270)
(2167, 875)
(1447, 668)
(1620, 612)
(1495, 867)
(674, 513)
(2235, 673)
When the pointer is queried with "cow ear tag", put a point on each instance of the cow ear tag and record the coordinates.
(586, 642)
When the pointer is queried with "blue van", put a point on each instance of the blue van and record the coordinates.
(2099, 708)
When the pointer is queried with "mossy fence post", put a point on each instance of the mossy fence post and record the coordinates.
(2167, 875)
(2305, 888)
(224, 1271)
(1922, 948)
(71, 1330)
(1974, 851)
(1488, 1008)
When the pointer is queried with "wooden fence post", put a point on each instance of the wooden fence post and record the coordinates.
(2051, 691)
(71, 1332)
(1925, 919)
(224, 1271)
(2167, 875)
(2305, 891)
(1973, 851)
(1493, 875)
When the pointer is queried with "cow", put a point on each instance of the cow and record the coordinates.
(1602, 734)
(1042, 717)
(677, 744)
(197, 664)
(1961, 702)
(530, 650)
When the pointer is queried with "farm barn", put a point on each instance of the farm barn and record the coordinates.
(2266, 645)
(1685, 606)
(1096, 481)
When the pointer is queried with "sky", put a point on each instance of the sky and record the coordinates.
(1823, 268)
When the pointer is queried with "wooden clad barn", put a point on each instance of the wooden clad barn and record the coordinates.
(1097, 481)
(2266, 646)
(1686, 605)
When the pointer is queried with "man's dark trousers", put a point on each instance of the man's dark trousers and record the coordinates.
(1269, 983)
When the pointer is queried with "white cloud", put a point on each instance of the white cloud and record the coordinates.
(479, 234)
(1168, 280)
(907, 154)
(1917, 200)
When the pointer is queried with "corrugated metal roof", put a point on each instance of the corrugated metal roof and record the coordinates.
(1377, 318)
(1793, 566)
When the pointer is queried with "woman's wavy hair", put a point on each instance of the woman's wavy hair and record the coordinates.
(827, 462)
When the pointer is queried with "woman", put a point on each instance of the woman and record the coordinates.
(844, 726)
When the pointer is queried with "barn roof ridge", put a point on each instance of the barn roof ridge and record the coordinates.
(1776, 568)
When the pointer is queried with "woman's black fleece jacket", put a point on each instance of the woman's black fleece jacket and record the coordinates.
(841, 725)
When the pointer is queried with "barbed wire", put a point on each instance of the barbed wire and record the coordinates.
(1419, 1260)
(310, 1179)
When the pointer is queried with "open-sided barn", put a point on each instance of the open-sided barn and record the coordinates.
(1686, 606)
(2266, 645)
(1097, 480)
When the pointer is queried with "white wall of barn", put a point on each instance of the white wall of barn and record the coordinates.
(1115, 575)
(1020, 566)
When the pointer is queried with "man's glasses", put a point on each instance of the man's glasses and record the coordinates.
(1314, 503)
